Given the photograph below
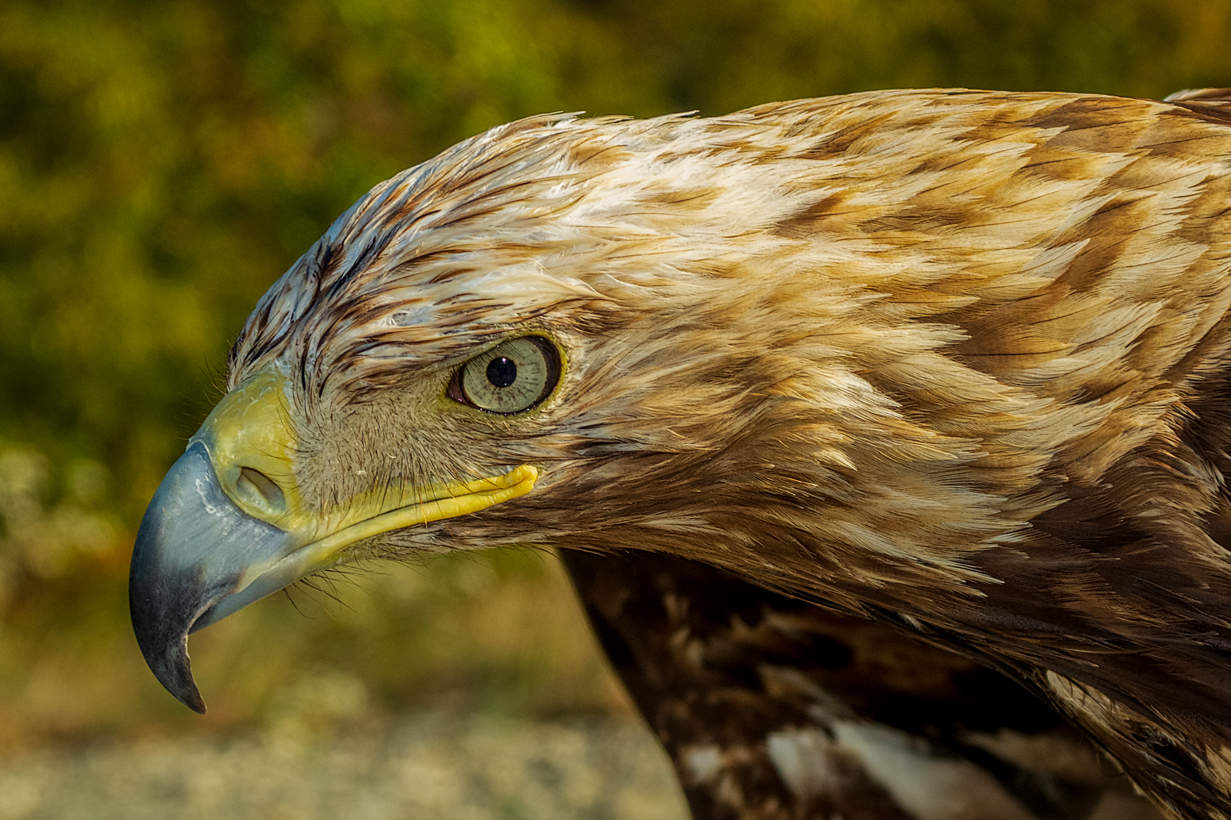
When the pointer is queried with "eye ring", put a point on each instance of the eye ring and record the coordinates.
(514, 376)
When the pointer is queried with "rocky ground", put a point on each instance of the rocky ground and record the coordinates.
(430, 766)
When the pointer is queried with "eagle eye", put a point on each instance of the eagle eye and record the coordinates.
(512, 377)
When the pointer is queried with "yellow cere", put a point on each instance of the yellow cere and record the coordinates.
(250, 430)
(252, 445)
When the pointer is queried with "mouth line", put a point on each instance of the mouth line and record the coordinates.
(452, 501)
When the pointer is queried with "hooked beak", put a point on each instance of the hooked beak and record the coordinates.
(192, 549)
(228, 526)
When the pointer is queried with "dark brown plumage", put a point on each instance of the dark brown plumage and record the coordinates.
(924, 394)
(772, 708)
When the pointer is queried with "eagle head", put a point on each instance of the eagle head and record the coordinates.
(592, 333)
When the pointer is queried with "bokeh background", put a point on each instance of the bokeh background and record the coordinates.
(162, 163)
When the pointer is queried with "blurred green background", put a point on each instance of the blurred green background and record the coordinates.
(161, 164)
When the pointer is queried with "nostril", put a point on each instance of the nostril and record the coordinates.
(260, 491)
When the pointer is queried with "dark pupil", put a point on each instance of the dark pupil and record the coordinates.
(502, 371)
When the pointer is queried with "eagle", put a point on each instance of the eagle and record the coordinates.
(884, 436)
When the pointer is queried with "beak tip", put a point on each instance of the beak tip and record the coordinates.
(196, 704)
(192, 699)
(177, 678)
(168, 659)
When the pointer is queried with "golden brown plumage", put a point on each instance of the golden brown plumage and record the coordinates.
(952, 362)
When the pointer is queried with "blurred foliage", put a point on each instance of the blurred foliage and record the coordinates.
(161, 164)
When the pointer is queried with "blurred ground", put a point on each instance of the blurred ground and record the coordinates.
(419, 766)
